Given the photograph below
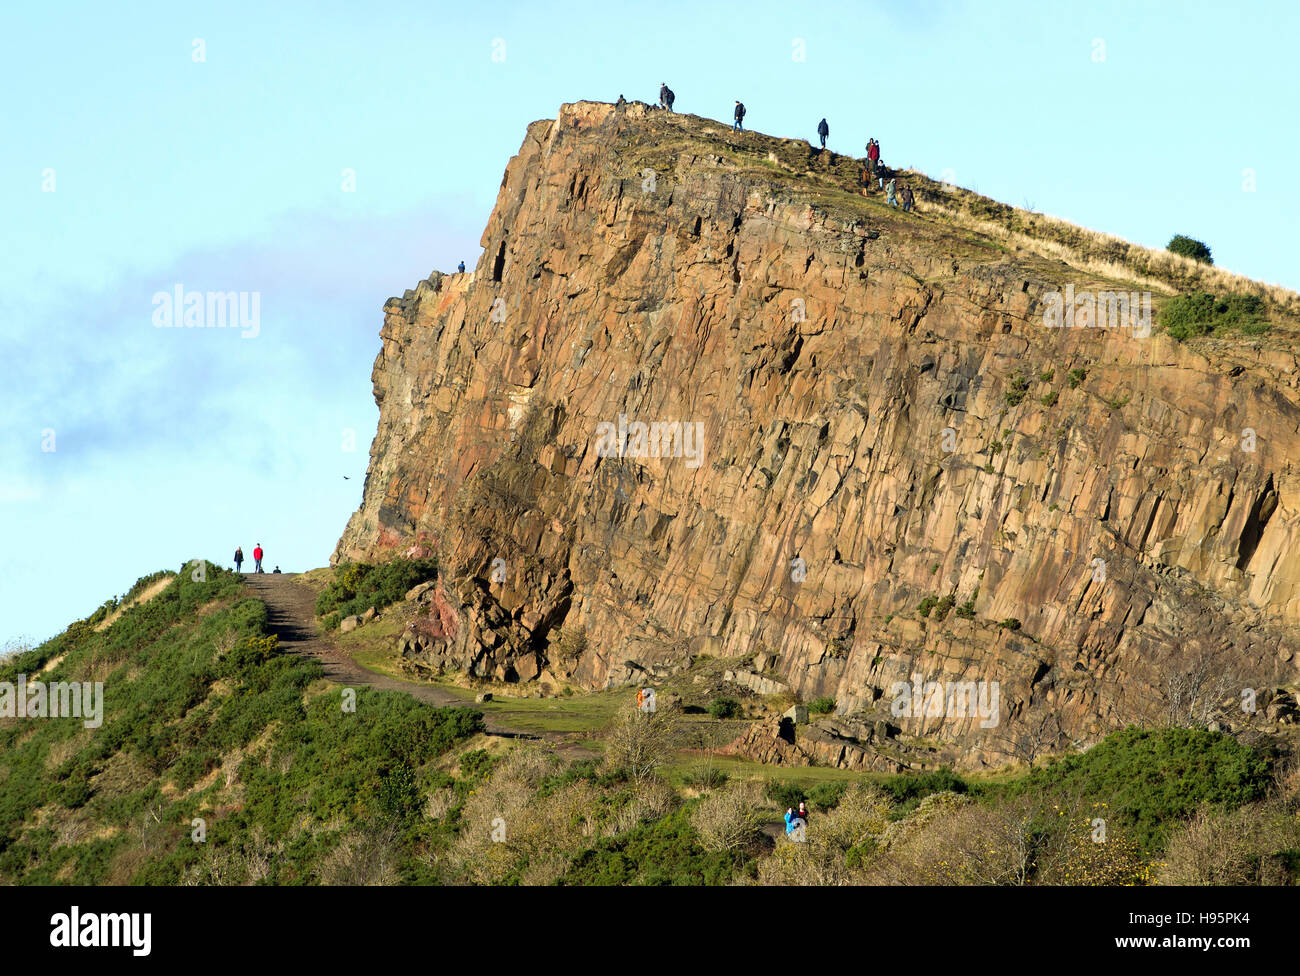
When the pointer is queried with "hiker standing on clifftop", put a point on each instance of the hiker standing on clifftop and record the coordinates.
(461, 267)
(823, 130)
(666, 96)
(239, 558)
(739, 124)
(257, 558)
(873, 157)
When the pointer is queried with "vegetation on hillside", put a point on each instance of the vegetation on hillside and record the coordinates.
(1200, 313)
(1190, 248)
(222, 760)
(357, 587)
(218, 760)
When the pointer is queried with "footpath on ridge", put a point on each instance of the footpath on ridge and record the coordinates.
(291, 611)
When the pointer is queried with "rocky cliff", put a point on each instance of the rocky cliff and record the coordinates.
(866, 460)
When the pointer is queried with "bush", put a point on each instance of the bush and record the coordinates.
(822, 706)
(728, 820)
(967, 609)
(1256, 844)
(1199, 313)
(1010, 623)
(724, 708)
(908, 789)
(664, 852)
(1190, 248)
(1017, 392)
(359, 586)
(705, 778)
(1077, 376)
(1149, 780)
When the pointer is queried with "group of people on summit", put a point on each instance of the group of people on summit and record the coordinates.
(874, 175)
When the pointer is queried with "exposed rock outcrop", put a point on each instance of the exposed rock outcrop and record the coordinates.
(871, 412)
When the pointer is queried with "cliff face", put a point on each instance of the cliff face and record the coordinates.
(882, 416)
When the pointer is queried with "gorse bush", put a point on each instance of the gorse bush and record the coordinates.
(724, 708)
(359, 586)
(1200, 313)
(1190, 248)
(1151, 780)
(668, 851)
(908, 789)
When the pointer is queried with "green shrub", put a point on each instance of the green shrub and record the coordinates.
(1019, 388)
(1010, 623)
(1190, 248)
(909, 789)
(926, 605)
(822, 706)
(705, 778)
(1149, 780)
(476, 764)
(357, 587)
(663, 852)
(1200, 313)
(1049, 399)
(1076, 376)
(724, 708)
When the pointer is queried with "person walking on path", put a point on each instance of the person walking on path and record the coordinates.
(666, 96)
(890, 187)
(739, 124)
(908, 200)
(239, 558)
(823, 130)
(257, 558)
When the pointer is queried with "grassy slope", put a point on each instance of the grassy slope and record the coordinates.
(203, 718)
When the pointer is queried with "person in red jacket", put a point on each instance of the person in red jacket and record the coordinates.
(873, 157)
(257, 558)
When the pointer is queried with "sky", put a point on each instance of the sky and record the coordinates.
(322, 157)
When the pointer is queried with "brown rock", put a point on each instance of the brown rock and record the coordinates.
(894, 434)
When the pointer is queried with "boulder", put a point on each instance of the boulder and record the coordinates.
(797, 714)
(349, 624)
(481, 697)
(419, 590)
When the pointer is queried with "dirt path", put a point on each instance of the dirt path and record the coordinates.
(292, 613)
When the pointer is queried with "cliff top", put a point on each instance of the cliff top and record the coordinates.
(644, 136)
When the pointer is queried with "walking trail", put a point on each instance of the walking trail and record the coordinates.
(291, 609)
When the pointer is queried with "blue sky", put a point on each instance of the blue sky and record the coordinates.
(226, 174)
